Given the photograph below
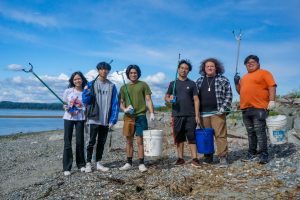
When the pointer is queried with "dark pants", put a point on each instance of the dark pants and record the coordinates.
(68, 154)
(255, 123)
(102, 132)
(184, 129)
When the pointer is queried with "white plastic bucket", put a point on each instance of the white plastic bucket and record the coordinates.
(277, 129)
(297, 124)
(153, 142)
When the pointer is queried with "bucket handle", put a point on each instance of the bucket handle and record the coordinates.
(200, 127)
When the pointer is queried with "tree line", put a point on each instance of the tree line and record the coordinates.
(58, 106)
(37, 106)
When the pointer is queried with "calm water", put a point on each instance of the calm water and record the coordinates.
(21, 125)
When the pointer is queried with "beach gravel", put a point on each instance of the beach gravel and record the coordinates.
(31, 168)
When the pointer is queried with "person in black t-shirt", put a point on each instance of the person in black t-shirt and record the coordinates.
(185, 112)
(215, 95)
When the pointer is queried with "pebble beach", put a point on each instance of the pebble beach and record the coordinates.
(31, 168)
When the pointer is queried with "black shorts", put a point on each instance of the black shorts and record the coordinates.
(184, 129)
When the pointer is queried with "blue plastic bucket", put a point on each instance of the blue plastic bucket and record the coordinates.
(205, 140)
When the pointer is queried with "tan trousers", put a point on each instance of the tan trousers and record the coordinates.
(218, 123)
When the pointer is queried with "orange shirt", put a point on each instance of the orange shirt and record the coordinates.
(254, 89)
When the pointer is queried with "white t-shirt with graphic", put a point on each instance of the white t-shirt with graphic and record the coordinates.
(73, 98)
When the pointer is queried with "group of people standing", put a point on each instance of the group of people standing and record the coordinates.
(98, 104)
(204, 103)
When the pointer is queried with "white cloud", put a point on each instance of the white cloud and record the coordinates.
(30, 89)
(153, 53)
(28, 16)
(17, 34)
(14, 67)
(91, 75)
(17, 79)
(156, 79)
(63, 77)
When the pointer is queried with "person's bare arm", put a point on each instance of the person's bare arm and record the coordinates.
(272, 93)
(149, 103)
(197, 108)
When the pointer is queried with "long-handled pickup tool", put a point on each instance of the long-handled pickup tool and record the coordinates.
(174, 84)
(31, 71)
(126, 91)
(238, 38)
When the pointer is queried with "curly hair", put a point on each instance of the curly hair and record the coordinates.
(218, 64)
(137, 68)
(71, 83)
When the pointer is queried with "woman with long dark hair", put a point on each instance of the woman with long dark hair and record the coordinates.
(74, 117)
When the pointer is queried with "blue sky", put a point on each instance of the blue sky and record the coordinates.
(60, 37)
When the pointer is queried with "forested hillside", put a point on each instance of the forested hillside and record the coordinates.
(38, 106)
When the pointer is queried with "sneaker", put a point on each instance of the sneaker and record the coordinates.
(127, 166)
(263, 159)
(142, 168)
(249, 158)
(82, 169)
(101, 167)
(88, 167)
(180, 161)
(196, 163)
(208, 159)
(67, 173)
(223, 162)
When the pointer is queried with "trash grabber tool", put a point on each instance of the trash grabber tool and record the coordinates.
(238, 38)
(31, 71)
(174, 84)
(126, 89)
(110, 139)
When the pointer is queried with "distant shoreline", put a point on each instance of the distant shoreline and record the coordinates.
(30, 134)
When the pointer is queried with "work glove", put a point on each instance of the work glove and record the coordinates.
(271, 105)
(237, 79)
(65, 107)
(152, 117)
(129, 110)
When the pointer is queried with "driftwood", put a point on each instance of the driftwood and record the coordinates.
(290, 101)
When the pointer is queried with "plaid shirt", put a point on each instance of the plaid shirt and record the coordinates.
(223, 91)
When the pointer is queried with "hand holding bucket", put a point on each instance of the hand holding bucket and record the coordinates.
(205, 140)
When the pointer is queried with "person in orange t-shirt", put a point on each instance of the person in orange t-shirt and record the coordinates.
(257, 91)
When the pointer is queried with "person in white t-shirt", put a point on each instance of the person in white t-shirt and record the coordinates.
(74, 117)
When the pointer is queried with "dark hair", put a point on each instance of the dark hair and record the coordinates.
(254, 57)
(71, 83)
(218, 64)
(187, 62)
(103, 65)
(137, 68)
